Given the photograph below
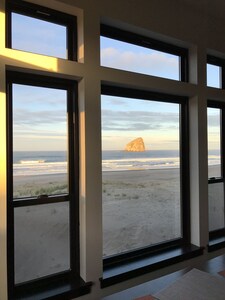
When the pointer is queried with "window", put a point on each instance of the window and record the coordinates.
(145, 180)
(43, 187)
(213, 76)
(40, 30)
(215, 71)
(127, 51)
(216, 168)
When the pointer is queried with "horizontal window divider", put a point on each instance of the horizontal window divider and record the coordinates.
(141, 94)
(215, 180)
(128, 79)
(153, 262)
(40, 200)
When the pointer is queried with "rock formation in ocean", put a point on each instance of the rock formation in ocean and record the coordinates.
(136, 145)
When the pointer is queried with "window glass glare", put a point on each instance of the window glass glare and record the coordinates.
(129, 57)
(140, 173)
(214, 142)
(213, 76)
(40, 139)
(38, 36)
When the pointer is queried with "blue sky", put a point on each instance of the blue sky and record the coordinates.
(40, 113)
(39, 118)
(121, 55)
(38, 36)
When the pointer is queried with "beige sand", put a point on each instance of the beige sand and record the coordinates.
(140, 208)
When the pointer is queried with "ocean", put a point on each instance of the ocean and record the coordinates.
(54, 162)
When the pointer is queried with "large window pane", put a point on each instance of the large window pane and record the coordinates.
(39, 36)
(216, 206)
(40, 141)
(213, 76)
(141, 180)
(214, 142)
(41, 241)
(130, 57)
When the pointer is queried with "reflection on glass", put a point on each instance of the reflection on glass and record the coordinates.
(216, 206)
(41, 241)
(38, 36)
(140, 173)
(129, 57)
(213, 76)
(214, 142)
(40, 138)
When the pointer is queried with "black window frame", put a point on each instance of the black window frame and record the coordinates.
(153, 44)
(219, 233)
(219, 62)
(72, 198)
(45, 14)
(118, 259)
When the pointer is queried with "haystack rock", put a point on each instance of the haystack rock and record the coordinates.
(136, 145)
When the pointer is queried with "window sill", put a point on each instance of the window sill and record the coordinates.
(116, 274)
(56, 290)
(216, 244)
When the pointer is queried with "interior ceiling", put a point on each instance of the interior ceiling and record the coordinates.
(215, 8)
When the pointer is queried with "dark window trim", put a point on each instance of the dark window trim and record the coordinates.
(217, 237)
(221, 106)
(184, 172)
(45, 14)
(70, 276)
(147, 42)
(216, 61)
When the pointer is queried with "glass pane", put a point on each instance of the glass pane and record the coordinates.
(129, 57)
(213, 76)
(140, 173)
(40, 139)
(214, 142)
(216, 206)
(41, 241)
(38, 36)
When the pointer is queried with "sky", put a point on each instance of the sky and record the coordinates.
(39, 118)
(39, 114)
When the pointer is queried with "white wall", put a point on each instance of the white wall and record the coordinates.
(198, 25)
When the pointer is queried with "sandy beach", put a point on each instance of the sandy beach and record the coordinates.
(140, 208)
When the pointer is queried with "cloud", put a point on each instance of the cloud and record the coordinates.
(138, 121)
(36, 118)
(32, 96)
(153, 63)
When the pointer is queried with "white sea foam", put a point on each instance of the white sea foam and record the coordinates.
(42, 167)
(39, 168)
(140, 163)
(32, 161)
